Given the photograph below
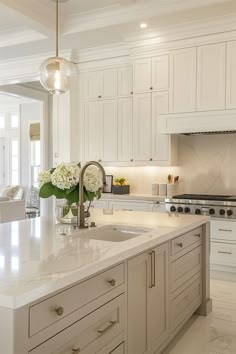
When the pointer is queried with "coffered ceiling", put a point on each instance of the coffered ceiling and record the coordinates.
(27, 27)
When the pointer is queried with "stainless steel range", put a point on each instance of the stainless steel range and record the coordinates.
(216, 206)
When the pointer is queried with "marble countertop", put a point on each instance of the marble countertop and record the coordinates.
(134, 196)
(38, 257)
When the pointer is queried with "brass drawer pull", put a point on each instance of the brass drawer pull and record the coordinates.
(59, 311)
(153, 270)
(112, 282)
(180, 244)
(225, 230)
(222, 252)
(111, 324)
(198, 235)
(75, 351)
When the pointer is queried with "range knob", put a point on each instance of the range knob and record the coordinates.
(180, 209)
(222, 212)
(172, 208)
(229, 212)
(212, 211)
(197, 211)
(187, 210)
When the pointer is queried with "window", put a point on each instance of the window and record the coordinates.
(2, 121)
(15, 161)
(14, 121)
(35, 162)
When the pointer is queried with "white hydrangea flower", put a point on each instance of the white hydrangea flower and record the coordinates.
(92, 179)
(44, 177)
(66, 175)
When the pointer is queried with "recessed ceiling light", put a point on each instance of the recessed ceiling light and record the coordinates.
(143, 25)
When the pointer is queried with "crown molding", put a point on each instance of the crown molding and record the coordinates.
(18, 36)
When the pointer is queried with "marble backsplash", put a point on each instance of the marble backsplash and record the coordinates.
(207, 164)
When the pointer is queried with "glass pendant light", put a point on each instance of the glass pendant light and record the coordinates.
(56, 72)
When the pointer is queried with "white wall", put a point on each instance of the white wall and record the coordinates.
(207, 164)
(30, 112)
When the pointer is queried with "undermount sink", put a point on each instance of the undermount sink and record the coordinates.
(115, 233)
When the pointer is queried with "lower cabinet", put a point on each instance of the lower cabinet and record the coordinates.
(148, 312)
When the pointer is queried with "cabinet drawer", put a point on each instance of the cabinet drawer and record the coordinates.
(223, 253)
(89, 334)
(182, 242)
(51, 310)
(223, 230)
(119, 350)
(185, 267)
(185, 304)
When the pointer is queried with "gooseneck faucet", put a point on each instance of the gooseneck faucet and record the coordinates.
(81, 214)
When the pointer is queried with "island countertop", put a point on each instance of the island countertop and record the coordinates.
(38, 256)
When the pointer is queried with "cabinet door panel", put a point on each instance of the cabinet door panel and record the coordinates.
(231, 76)
(160, 142)
(183, 80)
(92, 121)
(138, 285)
(159, 310)
(125, 129)
(125, 81)
(142, 127)
(211, 78)
(142, 75)
(109, 83)
(92, 85)
(110, 128)
(160, 73)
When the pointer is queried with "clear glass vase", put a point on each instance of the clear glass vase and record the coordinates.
(68, 213)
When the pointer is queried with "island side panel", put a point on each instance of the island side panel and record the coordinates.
(6, 331)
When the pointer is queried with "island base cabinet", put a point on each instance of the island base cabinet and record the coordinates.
(148, 316)
(91, 333)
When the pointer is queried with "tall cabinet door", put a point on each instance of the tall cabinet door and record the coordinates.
(160, 73)
(231, 76)
(109, 83)
(125, 81)
(211, 77)
(93, 130)
(158, 298)
(109, 130)
(92, 85)
(183, 80)
(125, 129)
(142, 126)
(143, 75)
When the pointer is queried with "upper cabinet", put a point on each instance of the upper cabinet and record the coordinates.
(125, 81)
(211, 77)
(183, 67)
(100, 84)
(125, 129)
(151, 74)
(231, 76)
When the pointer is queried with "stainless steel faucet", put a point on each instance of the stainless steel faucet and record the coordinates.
(81, 214)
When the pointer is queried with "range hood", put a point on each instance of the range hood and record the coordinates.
(210, 123)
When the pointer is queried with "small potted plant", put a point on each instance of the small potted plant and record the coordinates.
(121, 186)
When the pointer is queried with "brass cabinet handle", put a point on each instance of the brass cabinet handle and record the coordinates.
(198, 235)
(131, 160)
(99, 160)
(112, 282)
(150, 159)
(180, 244)
(225, 230)
(154, 268)
(111, 324)
(75, 351)
(224, 252)
(59, 311)
(153, 271)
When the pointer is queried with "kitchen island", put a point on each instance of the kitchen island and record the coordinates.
(64, 291)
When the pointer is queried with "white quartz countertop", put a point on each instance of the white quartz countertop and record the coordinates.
(134, 196)
(38, 257)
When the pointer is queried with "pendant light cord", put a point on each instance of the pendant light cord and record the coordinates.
(57, 29)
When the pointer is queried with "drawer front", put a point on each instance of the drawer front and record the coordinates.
(51, 310)
(223, 230)
(185, 267)
(91, 333)
(185, 304)
(182, 242)
(223, 253)
(128, 205)
(119, 350)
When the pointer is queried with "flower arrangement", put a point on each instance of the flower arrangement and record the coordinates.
(63, 183)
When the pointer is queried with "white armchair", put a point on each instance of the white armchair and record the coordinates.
(12, 205)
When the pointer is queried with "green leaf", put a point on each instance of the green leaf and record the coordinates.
(47, 190)
(73, 196)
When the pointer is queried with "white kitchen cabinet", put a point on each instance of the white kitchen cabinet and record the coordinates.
(160, 73)
(100, 122)
(231, 76)
(100, 84)
(211, 77)
(125, 81)
(183, 80)
(125, 129)
(130, 205)
(143, 75)
(142, 127)
(148, 314)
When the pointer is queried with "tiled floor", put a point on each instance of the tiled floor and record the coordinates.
(217, 333)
